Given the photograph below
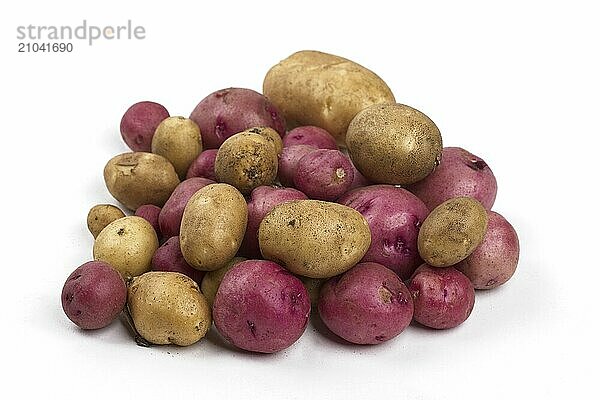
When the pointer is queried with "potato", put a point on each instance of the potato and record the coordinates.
(261, 307)
(314, 238)
(229, 111)
(170, 216)
(288, 162)
(394, 144)
(136, 179)
(168, 258)
(443, 297)
(310, 135)
(213, 226)
(324, 174)
(203, 166)
(150, 213)
(127, 244)
(359, 179)
(178, 140)
(395, 216)
(368, 304)
(93, 295)
(460, 174)
(452, 231)
(270, 134)
(101, 215)
(313, 287)
(314, 88)
(168, 308)
(212, 279)
(495, 260)
(246, 161)
(139, 124)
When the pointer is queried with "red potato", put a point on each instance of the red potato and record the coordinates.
(262, 200)
(261, 307)
(229, 111)
(394, 216)
(168, 258)
(369, 304)
(324, 174)
(310, 135)
(171, 214)
(460, 174)
(150, 213)
(443, 297)
(288, 162)
(139, 124)
(204, 165)
(359, 179)
(93, 295)
(495, 260)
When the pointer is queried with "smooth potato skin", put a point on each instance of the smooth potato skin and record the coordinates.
(324, 90)
(203, 166)
(324, 174)
(452, 231)
(313, 287)
(213, 226)
(150, 213)
(314, 238)
(394, 144)
(136, 179)
(368, 304)
(139, 124)
(261, 307)
(101, 215)
(310, 135)
(178, 140)
(495, 260)
(212, 279)
(168, 308)
(288, 162)
(168, 258)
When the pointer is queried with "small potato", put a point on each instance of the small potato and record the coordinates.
(270, 134)
(127, 244)
(168, 308)
(394, 144)
(452, 231)
(168, 258)
(246, 161)
(288, 162)
(136, 179)
(310, 135)
(313, 287)
(212, 279)
(495, 260)
(178, 140)
(203, 166)
(93, 295)
(213, 226)
(101, 215)
(150, 213)
(314, 238)
(139, 124)
(324, 174)
(359, 179)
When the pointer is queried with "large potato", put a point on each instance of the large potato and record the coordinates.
(140, 178)
(314, 88)
(213, 226)
(314, 238)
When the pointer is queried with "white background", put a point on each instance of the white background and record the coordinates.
(516, 83)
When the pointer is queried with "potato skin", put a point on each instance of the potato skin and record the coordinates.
(139, 124)
(394, 144)
(203, 166)
(310, 135)
(324, 174)
(150, 213)
(168, 308)
(136, 179)
(288, 162)
(212, 279)
(178, 140)
(270, 134)
(314, 238)
(452, 231)
(168, 258)
(101, 215)
(127, 244)
(315, 88)
(495, 260)
(213, 226)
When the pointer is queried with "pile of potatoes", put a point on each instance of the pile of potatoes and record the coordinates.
(322, 193)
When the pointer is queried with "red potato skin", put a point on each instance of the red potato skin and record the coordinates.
(93, 295)
(324, 174)
(394, 216)
(443, 297)
(263, 199)
(460, 174)
(150, 213)
(261, 307)
(203, 166)
(310, 135)
(288, 162)
(139, 124)
(229, 111)
(168, 258)
(359, 179)
(495, 260)
(171, 214)
(368, 304)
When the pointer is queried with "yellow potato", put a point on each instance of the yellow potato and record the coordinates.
(212, 279)
(270, 134)
(178, 140)
(100, 216)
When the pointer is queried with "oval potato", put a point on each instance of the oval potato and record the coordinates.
(100, 216)
(178, 140)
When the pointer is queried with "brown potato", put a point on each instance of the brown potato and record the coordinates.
(100, 216)
(178, 140)
(270, 134)
(212, 279)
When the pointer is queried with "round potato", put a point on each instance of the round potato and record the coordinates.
(168, 308)
(270, 134)
(246, 161)
(314, 88)
(136, 179)
(212, 280)
(452, 231)
(213, 226)
(101, 215)
(314, 238)
(127, 244)
(139, 124)
(178, 140)
(394, 144)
